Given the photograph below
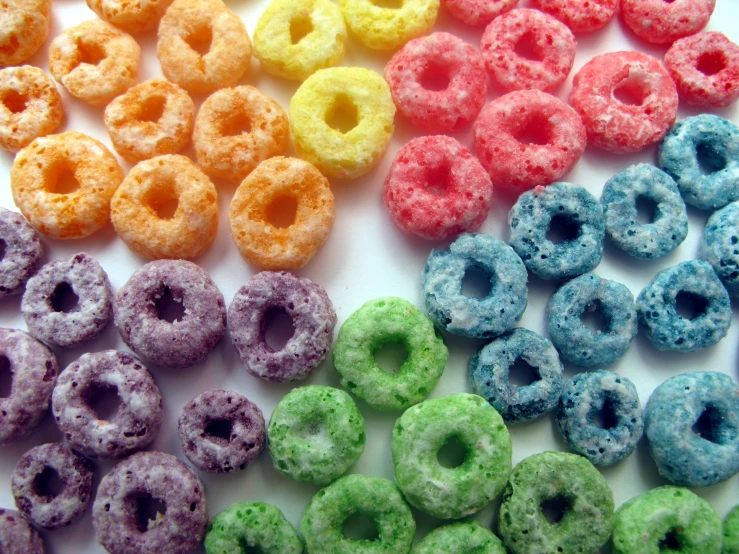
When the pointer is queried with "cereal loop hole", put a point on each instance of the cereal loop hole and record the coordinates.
(434, 78)
(3, 249)
(709, 160)
(452, 454)
(594, 318)
(278, 328)
(91, 53)
(390, 357)
(169, 307)
(359, 527)
(388, 4)
(343, 116)
(152, 109)
(149, 511)
(476, 283)
(282, 211)
(15, 101)
(711, 63)
(631, 91)
(646, 209)
(300, 27)
(562, 228)
(219, 431)
(537, 129)
(437, 180)
(709, 426)
(527, 48)
(48, 484)
(689, 305)
(6, 377)
(522, 374)
(162, 200)
(103, 399)
(65, 183)
(554, 509)
(604, 417)
(235, 124)
(63, 299)
(200, 40)
(669, 541)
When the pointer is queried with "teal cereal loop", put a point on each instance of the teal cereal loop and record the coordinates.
(462, 537)
(315, 434)
(254, 526)
(376, 498)
(378, 323)
(451, 492)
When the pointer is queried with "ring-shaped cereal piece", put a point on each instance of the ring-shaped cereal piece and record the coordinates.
(385, 321)
(705, 68)
(528, 138)
(578, 343)
(22, 256)
(416, 72)
(374, 497)
(341, 120)
(203, 46)
(313, 319)
(43, 306)
(461, 537)
(150, 119)
(137, 420)
(490, 372)
(451, 492)
(18, 536)
(153, 476)
(695, 284)
(566, 480)
(63, 184)
(30, 106)
(48, 508)
(627, 100)
(581, 16)
(256, 525)
(236, 129)
(265, 195)
(388, 28)
(719, 246)
(702, 154)
(133, 16)
(692, 425)
(315, 434)
(24, 27)
(478, 12)
(94, 61)
(663, 22)
(295, 38)
(551, 42)
(436, 188)
(453, 311)
(730, 543)
(573, 215)
(141, 209)
(612, 397)
(620, 200)
(667, 515)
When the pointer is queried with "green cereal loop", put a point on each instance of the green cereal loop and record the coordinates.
(374, 497)
(420, 433)
(667, 519)
(463, 537)
(315, 434)
(380, 322)
(731, 532)
(251, 524)
(567, 479)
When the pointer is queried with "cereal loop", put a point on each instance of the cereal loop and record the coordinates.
(236, 129)
(341, 120)
(705, 68)
(295, 38)
(24, 27)
(166, 208)
(261, 218)
(581, 16)
(132, 16)
(151, 119)
(478, 12)
(663, 21)
(626, 100)
(203, 46)
(527, 49)
(94, 61)
(63, 184)
(30, 106)
(388, 28)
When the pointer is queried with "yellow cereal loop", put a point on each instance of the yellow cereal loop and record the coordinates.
(63, 184)
(166, 208)
(281, 214)
(295, 38)
(132, 16)
(389, 27)
(341, 120)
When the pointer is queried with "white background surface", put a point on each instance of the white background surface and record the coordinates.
(365, 257)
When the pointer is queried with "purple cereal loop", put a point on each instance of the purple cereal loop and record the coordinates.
(22, 252)
(17, 536)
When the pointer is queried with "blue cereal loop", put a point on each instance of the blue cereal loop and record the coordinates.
(720, 246)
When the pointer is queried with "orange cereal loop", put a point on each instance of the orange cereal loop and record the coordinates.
(236, 129)
(63, 184)
(281, 214)
(203, 46)
(24, 27)
(94, 61)
(30, 106)
(166, 208)
(131, 16)
(150, 119)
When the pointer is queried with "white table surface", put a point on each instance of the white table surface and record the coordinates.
(365, 257)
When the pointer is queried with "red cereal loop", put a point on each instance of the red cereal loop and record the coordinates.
(528, 138)
(527, 49)
(478, 12)
(436, 188)
(581, 16)
(437, 82)
(663, 21)
(626, 100)
(705, 68)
